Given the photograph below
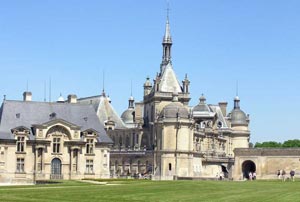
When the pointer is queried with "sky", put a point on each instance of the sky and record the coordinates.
(218, 43)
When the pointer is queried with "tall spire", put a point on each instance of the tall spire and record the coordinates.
(167, 41)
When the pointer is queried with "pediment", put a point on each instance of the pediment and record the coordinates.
(20, 129)
(55, 122)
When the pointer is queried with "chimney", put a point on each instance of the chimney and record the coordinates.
(72, 99)
(223, 106)
(27, 96)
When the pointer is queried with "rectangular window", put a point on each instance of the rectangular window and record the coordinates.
(89, 166)
(20, 165)
(56, 145)
(40, 160)
(90, 146)
(20, 144)
(75, 160)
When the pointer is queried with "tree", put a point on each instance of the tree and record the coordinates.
(273, 144)
(269, 144)
(291, 143)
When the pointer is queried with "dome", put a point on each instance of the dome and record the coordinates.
(174, 110)
(61, 99)
(148, 82)
(238, 118)
(128, 116)
(202, 106)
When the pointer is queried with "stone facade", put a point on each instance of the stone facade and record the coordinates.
(167, 138)
(43, 141)
(265, 162)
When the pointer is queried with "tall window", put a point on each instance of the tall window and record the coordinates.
(40, 160)
(56, 145)
(89, 166)
(90, 146)
(20, 165)
(20, 144)
(75, 160)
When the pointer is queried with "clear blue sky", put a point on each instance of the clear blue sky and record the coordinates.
(216, 42)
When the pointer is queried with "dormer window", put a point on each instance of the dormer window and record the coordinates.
(202, 124)
(220, 124)
(18, 115)
(52, 115)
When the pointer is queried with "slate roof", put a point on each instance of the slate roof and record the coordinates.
(169, 81)
(104, 109)
(217, 109)
(20, 113)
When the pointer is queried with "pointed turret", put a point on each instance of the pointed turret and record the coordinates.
(186, 84)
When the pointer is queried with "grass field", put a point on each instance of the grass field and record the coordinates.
(73, 191)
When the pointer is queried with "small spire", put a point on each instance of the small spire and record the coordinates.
(167, 43)
(237, 102)
(167, 36)
(131, 88)
(103, 83)
(202, 99)
(103, 93)
(27, 86)
(237, 88)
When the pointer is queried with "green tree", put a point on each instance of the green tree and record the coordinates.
(269, 144)
(291, 143)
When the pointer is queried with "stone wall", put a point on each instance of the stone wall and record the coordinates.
(267, 161)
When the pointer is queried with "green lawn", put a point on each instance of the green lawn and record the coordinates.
(155, 191)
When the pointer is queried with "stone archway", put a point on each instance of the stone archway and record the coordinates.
(247, 167)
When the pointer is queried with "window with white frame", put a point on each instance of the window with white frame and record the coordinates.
(89, 146)
(89, 166)
(20, 165)
(56, 145)
(20, 143)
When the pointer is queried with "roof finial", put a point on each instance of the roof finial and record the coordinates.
(50, 89)
(168, 9)
(131, 88)
(167, 37)
(103, 80)
(237, 88)
(45, 91)
(27, 86)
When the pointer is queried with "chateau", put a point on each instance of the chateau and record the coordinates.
(162, 136)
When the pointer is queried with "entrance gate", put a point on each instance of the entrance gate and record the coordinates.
(56, 169)
(247, 167)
